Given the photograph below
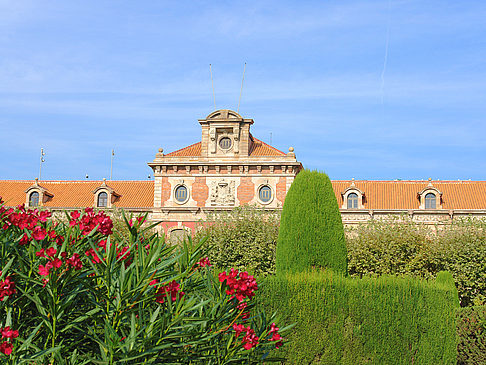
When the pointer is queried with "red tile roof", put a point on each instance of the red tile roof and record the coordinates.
(403, 194)
(384, 195)
(134, 194)
(257, 149)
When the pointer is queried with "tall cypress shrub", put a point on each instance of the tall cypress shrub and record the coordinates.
(311, 230)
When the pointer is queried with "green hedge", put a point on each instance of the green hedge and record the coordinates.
(403, 247)
(386, 320)
(471, 333)
(311, 230)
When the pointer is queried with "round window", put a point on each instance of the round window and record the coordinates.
(180, 194)
(265, 194)
(225, 143)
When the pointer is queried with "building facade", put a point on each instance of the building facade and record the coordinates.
(229, 167)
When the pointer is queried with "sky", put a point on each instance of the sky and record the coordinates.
(376, 90)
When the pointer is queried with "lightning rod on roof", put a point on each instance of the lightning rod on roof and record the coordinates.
(241, 90)
(42, 160)
(111, 164)
(212, 85)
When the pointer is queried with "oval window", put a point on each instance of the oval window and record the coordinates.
(180, 194)
(225, 143)
(265, 194)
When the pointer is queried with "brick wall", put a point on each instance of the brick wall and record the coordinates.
(246, 190)
(200, 191)
(281, 189)
(165, 195)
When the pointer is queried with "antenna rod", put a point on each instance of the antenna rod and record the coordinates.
(41, 161)
(212, 84)
(111, 166)
(241, 90)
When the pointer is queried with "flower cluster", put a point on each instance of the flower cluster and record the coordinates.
(250, 339)
(204, 262)
(275, 335)
(172, 289)
(90, 220)
(8, 335)
(241, 285)
(7, 287)
(55, 263)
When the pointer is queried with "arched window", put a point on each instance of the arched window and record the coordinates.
(430, 201)
(34, 199)
(265, 194)
(353, 201)
(181, 194)
(177, 236)
(102, 200)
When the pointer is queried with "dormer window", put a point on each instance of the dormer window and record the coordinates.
(105, 196)
(352, 201)
(430, 201)
(37, 195)
(430, 197)
(102, 200)
(34, 199)
(353, 197)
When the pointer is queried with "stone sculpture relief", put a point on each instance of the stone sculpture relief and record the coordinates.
(223, 193)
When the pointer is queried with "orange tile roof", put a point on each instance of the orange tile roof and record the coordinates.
(67, 194)
(400, 195)
(403, 194)
(257, 149)
(260, 148)
(193, 150)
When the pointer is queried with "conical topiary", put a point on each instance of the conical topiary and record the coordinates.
(311, 230)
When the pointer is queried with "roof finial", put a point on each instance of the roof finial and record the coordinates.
(352, 182)
(430, 181)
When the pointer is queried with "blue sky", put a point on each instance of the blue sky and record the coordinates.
(363, 89)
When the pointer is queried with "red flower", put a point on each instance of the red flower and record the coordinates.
(39, 233)
(75, 215)
(7, 288)
(44, 270)
(44, 215)
(204, 262)
(241, 286)
(52, 234)
(172, 288)
(40, 253)
(6, 348)
(75, 262)
(56, 263)
(8, 333)
(94, 254)
(24, 240)
(51, 251)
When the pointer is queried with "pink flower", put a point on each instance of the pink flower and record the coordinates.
(75, 262)
(24, 240)
(8, 333)
(44, 270)
(40, 253)
(204, 262)
(75, 215)
(39, 233)
(7, 288)
(56, 263)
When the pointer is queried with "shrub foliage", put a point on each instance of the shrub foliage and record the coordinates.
(401, 247)
(471, 333)
(311, 231)
(244, 238)
(386, 320)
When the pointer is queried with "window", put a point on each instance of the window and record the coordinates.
(177, 236)
(265, 194)
(225, 143)
(353, 201)
(181, 195)
(102, 200)
(430, 201)
(34, 199)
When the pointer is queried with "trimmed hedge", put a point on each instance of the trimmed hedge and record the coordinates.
(311, 230)
(471, 333)
(386, 320)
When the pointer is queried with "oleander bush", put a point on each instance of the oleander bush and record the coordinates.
(311, 230)
(244, 238)
(71, 292)
(385, 320)
(471, 333)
